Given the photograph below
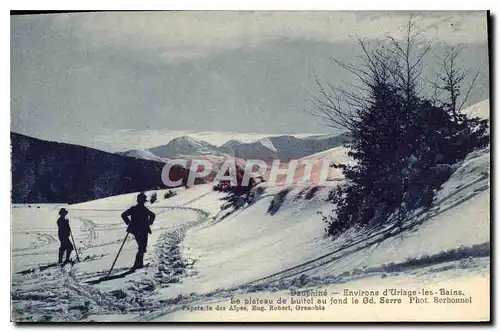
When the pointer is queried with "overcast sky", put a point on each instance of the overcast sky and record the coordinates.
(75, 77)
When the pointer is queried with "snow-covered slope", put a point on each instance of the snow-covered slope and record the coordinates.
(286, 147)
(199, 256)
(232, 143)
(481, 109)
(196, 259)
(141, 154)
(186, 145)
(262, 149)
(286, 249)
(290, 147)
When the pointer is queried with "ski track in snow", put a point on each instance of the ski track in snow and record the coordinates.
(40, 240)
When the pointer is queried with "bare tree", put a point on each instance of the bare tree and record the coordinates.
(341, 106)
(391, 64)
(452, 76)
(410, 53)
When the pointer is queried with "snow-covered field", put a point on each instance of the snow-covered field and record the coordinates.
(198, 257)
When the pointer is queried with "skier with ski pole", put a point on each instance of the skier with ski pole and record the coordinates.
(139, 219)
(64, 232)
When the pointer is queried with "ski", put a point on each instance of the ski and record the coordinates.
(116, 276)
(70, 262)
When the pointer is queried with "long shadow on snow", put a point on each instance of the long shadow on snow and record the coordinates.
(277, 201)
(364, 240)
(48, 266)
(113, 277)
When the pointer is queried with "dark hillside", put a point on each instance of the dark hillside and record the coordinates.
(51, 172)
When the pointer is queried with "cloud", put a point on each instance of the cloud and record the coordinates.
(180, 34)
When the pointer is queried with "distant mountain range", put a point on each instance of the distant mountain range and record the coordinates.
(284, 147)
(51, 172)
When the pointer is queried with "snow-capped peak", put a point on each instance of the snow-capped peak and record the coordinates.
(186, 145)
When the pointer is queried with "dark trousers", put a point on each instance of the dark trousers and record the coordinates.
(66, 246)
(142, 242)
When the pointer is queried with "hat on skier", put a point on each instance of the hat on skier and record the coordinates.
(63, 212)
(141, 198)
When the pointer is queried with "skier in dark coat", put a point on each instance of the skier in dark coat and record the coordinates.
(64, 232)
(139, 220)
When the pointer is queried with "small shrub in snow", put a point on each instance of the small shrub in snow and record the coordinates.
(277, 201)
(237, 195)
(169, 194)
(153, 198)
(310, 194)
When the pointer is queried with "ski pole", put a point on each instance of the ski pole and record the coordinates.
(119, 251)
(74, 244)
